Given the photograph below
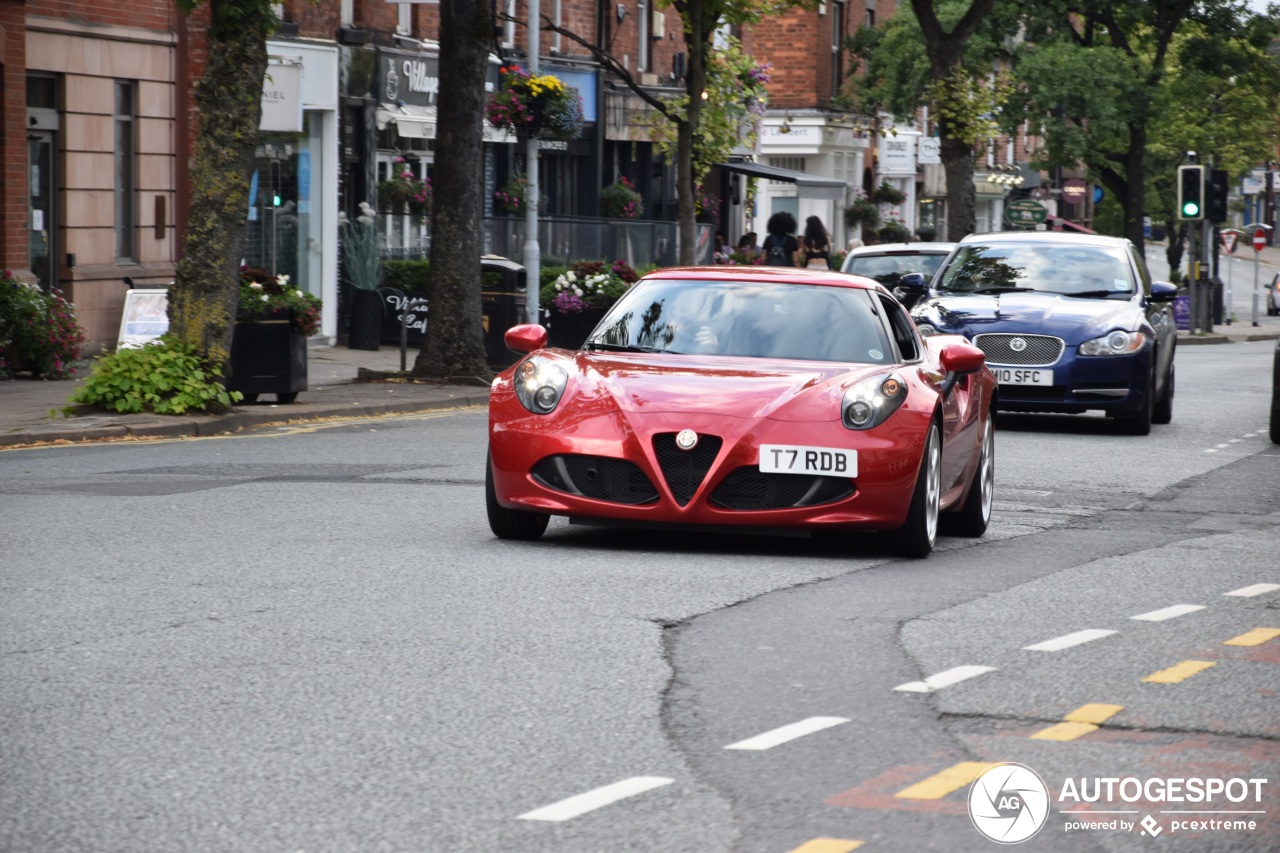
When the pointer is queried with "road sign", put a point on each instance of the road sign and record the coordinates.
(1259, 239)
(1229, 240)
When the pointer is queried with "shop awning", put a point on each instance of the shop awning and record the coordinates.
(809, 186)
(411, 121)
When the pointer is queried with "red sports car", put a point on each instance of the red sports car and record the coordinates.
(732, 397)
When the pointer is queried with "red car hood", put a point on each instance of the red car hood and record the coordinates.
(734, 387)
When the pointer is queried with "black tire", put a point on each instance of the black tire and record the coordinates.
(510, 523)
(917, 536)
(1139, 422)
(249, 398)
(972, 519)
(287, 398)
(1163, 411)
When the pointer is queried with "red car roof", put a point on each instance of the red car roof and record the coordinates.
(753, 272)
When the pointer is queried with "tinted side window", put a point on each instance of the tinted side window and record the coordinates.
(904, 333)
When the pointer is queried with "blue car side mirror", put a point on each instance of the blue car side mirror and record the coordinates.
(912, 282)
(1163, 291)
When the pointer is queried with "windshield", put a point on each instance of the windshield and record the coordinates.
(1082, 271)
(751, 319)
(889, 269)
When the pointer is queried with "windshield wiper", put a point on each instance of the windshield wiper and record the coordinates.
(600, 345)
(1004, 290)
(1097, 294)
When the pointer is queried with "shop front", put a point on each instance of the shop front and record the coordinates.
(293, 194)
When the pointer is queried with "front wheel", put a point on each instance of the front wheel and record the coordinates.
(1139, 422)
(1163, 412)
(510, 523)
(972, 518)
(916, 537)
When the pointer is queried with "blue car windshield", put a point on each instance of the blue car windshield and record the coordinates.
(749, 319)
(1072, 270)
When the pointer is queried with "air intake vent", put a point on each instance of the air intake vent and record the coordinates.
(747, 488)
(685, 469)
(602, 478)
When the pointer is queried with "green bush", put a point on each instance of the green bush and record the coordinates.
(406, 276)
(165, 376)
(38, 331)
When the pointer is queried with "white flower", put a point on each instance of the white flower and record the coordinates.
(365, 219)
(559, 284)
(266, 298)
(366, 209)
(282, 279)
(571, 276)
(300, 293)
(255, 285)
(577, 291)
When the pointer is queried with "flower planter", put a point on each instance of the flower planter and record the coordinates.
(570, 331)
(268, 357)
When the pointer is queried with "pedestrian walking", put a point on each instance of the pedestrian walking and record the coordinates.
(781, 247)
(817, 244)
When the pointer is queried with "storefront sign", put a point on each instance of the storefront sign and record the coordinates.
(145, 317)
(409, 77)
(930, 151)
(1025, 212)
(1074, 190)
(282, 95)
(898, 155)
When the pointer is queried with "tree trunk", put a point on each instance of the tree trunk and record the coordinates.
(453, 348)
(202, 301)
(1135, 201)
(957, 161)
(686, 180)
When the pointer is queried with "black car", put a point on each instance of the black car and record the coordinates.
(1069, 322)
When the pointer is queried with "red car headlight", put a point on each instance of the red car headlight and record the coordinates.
(870, 402)
(539, 384)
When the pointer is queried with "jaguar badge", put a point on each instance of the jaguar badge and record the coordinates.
(686, 439)
(1017, 344)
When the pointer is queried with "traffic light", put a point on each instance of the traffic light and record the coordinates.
(1215, 203)
(1191, 192)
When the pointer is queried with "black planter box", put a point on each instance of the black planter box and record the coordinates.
(268, 358)
(570, 331)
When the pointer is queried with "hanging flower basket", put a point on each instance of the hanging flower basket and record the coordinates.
(620, 200)
(404, 192)
(864, 212)
(886, 194)
(511, 199)
(534, 106)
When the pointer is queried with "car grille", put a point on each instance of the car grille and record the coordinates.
(1041, 350)
(747, 488)
(602, 478)
(685, 469)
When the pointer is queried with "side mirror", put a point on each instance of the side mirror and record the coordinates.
(525, 338)
(1163, 291)
(913, 282)
(959, 360)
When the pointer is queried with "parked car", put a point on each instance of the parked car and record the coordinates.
(1068, 322)
(1271, 297)
(888, 262)
(742, 397)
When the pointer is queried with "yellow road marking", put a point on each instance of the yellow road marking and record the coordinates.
(1065, 731)
(1179, 672)
(939, 785)
(1079, 722)
(1256, 637)
(1094, 712)
(828, 845)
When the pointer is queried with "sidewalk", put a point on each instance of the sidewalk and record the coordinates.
(336, 389)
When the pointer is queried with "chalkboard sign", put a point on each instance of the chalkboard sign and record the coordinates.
(407, 309)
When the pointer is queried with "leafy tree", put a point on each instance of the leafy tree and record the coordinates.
(202, 301)
(1118, 86)
(700, 21)
(455, 348)
(924, 58)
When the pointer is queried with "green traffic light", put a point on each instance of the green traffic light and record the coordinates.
(1191, 209)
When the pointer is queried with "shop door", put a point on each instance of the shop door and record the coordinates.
(41, 211)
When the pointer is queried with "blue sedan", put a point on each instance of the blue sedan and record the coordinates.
(1068, 322)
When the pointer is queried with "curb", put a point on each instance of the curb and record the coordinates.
(236, 421)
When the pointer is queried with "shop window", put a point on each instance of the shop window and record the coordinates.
(125, 170)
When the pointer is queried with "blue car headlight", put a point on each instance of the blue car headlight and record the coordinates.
(869, 403)
(1114, 343)
(539, 383)
(927, 330)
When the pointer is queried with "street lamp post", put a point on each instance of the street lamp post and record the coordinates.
(532, 253)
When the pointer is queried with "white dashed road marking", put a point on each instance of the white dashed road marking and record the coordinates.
(590, 801)
(1068, 640)
(1168, 612)
(787, 733)
(944, 679)
(1256, 589)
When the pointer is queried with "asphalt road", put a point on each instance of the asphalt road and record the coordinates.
(307, 639)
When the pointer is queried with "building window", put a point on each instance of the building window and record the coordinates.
(404, 22)
(556, 18)
(347, 13)
(837, 47)
(642, 37)
(509, 24)
(125, 176)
